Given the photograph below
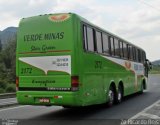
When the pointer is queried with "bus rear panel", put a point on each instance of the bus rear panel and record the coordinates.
(45, 54)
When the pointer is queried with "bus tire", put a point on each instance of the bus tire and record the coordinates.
(111, 96)
(142, 89)
(119, 96)
(143, 86)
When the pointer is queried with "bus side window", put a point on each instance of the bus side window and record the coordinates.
(136, 55)
(133, 53)
(116, 46)
(143, 56)
(130, 52)
(99, 42)
(125, 50)
(112, 46)
(85, 37)
(90, 39)
(121, 49)
(139, 55)
(105, 42)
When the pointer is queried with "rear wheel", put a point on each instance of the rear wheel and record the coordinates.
(111, 96)
(142, 88)
(119, 96)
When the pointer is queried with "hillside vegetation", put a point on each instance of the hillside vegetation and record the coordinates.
(155, 69)
(7, 62)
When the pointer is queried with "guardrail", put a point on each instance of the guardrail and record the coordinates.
(7, 95)
(7, 100)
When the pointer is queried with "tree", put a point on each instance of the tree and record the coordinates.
(0, 45)
(9, 57)
(8, 65)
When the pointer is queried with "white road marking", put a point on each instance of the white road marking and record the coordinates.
(14, 107)
(143, 112)
(150, 116)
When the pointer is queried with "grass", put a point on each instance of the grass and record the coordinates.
(155, 70)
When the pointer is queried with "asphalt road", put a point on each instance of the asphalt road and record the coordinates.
(94, 114)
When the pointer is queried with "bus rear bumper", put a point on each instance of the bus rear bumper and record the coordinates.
(49, 98)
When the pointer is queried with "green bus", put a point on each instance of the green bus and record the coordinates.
(63, 59)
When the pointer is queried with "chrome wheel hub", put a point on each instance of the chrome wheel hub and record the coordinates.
(119, 95)
(111, 96)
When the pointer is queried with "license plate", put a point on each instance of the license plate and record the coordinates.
(44, 100)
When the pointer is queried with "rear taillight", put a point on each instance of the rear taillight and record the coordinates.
(75, 83)
(17, 83)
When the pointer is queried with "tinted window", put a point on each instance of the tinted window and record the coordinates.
(144, 56)
(125, 50)
(99, 42)
(121, 49)
(90, 39)
(130, 54)
(105, 44)
(112, 45)
(85, 37)
(134, 53)
(139, 55)
(128, 49)
(116, 46)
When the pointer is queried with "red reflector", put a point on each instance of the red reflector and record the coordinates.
(56, 97)
(17, 83)
(75, 81)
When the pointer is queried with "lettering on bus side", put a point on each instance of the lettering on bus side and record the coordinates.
(98, 64)
(43, 82)
(26, 70)
(41, 37)
(50, 36)
(47, 48)
(43, 48)
(61, 62)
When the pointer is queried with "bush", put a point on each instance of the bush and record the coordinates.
(2, 90)
(3, 84)
(11, 88)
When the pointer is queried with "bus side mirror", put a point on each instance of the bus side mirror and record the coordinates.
(150, 65)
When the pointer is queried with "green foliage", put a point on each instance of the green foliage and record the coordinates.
(11, 88)
(3, 85)
(8, 66)
(0, 45)
(2, 90)
(155, 69)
